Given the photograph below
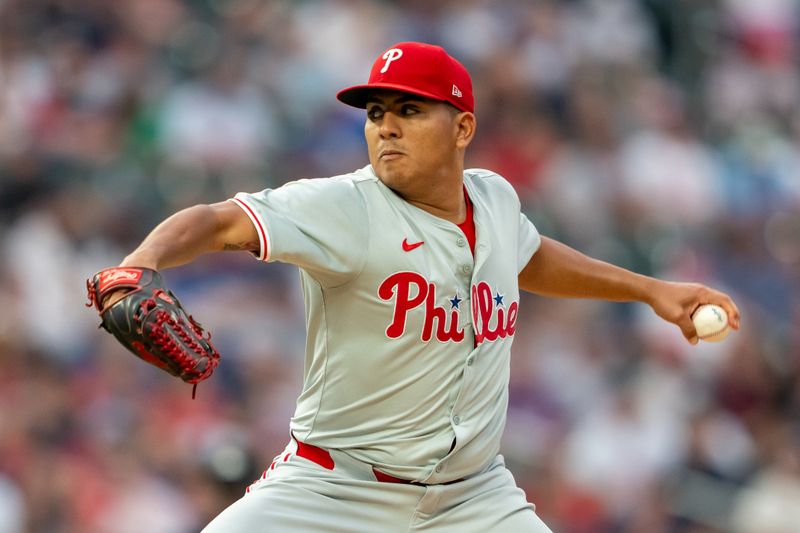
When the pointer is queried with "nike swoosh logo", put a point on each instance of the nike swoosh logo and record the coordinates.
(407, 247)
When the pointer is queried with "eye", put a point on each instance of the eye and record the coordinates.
(374, 113)
(409, 109)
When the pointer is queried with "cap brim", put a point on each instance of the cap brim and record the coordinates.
(356, 96)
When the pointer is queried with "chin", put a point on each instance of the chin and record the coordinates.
(391, 175)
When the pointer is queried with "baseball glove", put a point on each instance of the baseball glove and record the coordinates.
(150, 322)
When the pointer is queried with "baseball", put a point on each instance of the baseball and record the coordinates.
(711, 323)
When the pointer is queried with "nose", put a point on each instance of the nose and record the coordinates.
(390, 126)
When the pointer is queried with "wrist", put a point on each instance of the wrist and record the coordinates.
(648, 290)
(138, 259)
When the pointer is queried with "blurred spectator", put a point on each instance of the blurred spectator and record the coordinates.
(12, 507)
(770, 501)
(667, 173)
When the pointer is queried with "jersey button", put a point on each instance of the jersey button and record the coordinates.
(456, 420)
(469, 361)
(461, 241)
(466, 269)
(439, 468)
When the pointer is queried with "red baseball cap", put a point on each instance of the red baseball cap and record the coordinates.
(416, 68)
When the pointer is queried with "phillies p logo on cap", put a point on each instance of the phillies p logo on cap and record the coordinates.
(416, 68)
(389, 56)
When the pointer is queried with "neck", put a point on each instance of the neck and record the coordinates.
(444, 199)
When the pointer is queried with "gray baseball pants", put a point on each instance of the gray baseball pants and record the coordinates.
(297, 495)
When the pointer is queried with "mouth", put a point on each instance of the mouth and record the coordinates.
(390, 155)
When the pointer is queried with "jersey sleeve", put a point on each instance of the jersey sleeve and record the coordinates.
(529, 241)
(320, 225)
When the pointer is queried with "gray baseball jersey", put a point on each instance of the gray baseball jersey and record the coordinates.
(409, 335)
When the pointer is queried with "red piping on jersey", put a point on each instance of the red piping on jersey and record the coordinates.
(261, 232)
(468, 226)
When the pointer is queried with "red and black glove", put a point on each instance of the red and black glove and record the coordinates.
(150, 322)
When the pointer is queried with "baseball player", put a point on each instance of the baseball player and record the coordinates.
(411, 269)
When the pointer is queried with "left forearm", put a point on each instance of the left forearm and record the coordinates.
(558, 270)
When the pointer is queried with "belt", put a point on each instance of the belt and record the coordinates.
(323, 458)
(313, 453)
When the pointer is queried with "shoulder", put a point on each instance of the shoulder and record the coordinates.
(333, 188)
(490, 183)
(348, 181)
(487, 178)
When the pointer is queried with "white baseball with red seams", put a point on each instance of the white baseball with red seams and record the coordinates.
(711, 323)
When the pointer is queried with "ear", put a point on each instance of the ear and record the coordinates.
(465, 128)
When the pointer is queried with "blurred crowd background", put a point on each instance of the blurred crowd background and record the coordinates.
(662, 135)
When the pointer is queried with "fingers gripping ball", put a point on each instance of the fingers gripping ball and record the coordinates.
(711, 323)
(150, 322)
